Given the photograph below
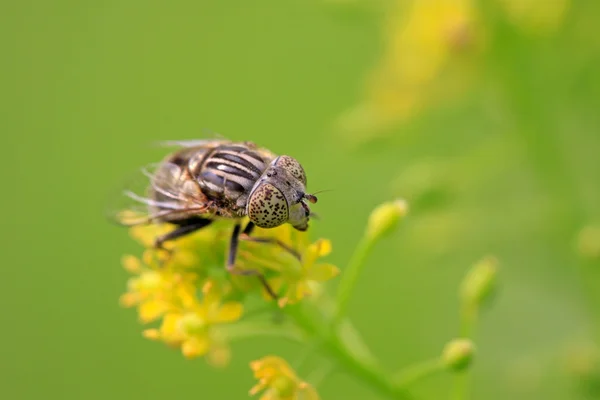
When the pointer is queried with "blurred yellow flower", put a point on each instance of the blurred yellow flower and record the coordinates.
(290, 278)
(192, 327)
(278, 381)
(155, 290)
(296, 280)
(173, 285)
(420, 37)
(183, 253)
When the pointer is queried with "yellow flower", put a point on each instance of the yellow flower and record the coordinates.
(185, 252)
(165, 285)
(297, 280)
(278, 381)
(154, 290)
(290, 279)
(421, 38)
(194, 326)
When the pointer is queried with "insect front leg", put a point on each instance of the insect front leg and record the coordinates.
(233, 247)
(185, 228)
(246, 236)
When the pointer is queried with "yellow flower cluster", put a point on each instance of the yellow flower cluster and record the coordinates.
(278, 381)
(185, 288)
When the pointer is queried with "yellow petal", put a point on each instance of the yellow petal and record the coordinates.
(170, 324)
(309, 258)
(282, 302)
(187, 295)
(269, 365)
(148, 257)
(142, 235)
(152, 334)
(284, 234)
(211, 292)
(151, 310)
(322, 272)
(131, 264)
(186, 259)
(128, 217)
(219, 356)
(323, 247)
(195, 347)
(129, 299)
(260, 386)
(320, 248)
(229, 312)
(302, 290)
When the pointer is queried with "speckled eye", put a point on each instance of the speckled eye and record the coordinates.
(292, 166)
(267, 206)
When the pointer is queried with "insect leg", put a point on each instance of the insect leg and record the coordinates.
(185, 228)
(246, 236)
(250, 272)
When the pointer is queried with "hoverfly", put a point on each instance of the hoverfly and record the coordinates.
(209, 179)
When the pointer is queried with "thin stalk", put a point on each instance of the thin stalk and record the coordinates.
(468, 319)
(345, 359)
(350, 278)
(417, 372)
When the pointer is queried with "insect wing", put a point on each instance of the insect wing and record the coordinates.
(203, 143)
(153, 193)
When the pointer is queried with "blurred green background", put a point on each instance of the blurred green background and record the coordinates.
(508, 167)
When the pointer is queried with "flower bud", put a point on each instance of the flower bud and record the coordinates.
(479, 282)
(583, 366)
(385, 218)
(458, 354)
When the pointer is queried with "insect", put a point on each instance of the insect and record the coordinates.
(205, 180)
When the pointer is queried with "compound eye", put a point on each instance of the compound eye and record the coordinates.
(267, 206)
(292, 166)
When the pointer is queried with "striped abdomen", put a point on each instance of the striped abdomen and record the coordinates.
(229, 171)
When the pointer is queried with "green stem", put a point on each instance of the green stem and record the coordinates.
(345, 331)
(468, 319)
(461, 386)
(417, 372)
(345, 358)
(350, 277)
(317, 377)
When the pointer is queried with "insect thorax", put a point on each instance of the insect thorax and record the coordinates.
(227, 173)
